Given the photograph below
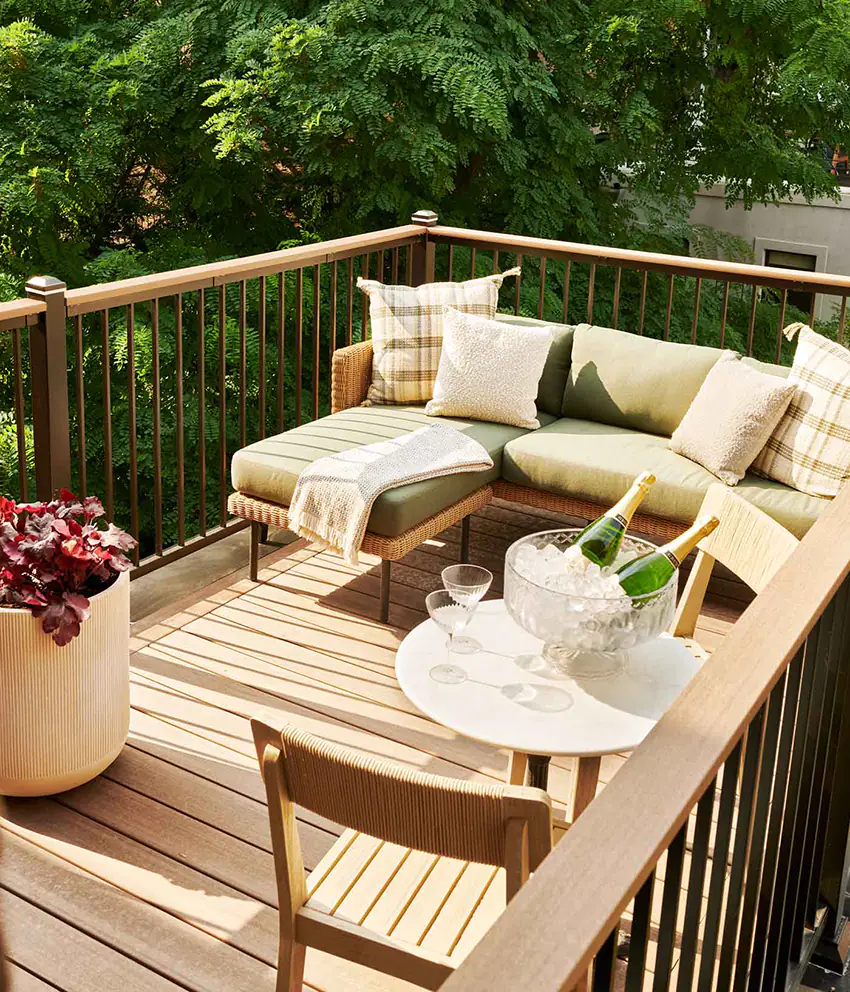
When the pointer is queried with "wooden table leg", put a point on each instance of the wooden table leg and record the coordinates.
(538, 771)
(586, 781)
(517, 765)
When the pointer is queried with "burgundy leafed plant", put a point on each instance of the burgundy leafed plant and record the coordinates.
(53, 556)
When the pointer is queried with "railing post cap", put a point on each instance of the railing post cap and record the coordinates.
(39, 285)
(425, 218)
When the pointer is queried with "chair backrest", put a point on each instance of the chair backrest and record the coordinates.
(747, 541)
(504, 825)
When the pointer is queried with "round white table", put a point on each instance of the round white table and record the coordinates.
(538, 714)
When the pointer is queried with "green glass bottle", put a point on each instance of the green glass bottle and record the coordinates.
(652, 571)
(600, 540)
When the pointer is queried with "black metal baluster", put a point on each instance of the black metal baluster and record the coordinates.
(106, 367)
(243, 366)
(781, 779)
(157, 428)
(757, 848)
(541, 295)
(317, 360)
(299, 341)
(741, 847)
(281, 348)
(639, 936)
(178, 403)
(696, 883)
(778, 928)
(615, 312)
(133, 428)
(605, 964)
(724, 310)
(719, 868)
(202, 427)
(261, 356)
(667, 927)
(80, 398)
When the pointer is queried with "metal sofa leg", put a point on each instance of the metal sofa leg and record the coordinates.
(386, 565)
(264, 533)
(254, 550)
(464, 540)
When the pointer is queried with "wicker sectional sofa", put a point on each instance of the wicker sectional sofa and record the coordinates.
(607, 402)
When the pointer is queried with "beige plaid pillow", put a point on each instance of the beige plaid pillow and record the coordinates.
(407, 331)
(810, 447)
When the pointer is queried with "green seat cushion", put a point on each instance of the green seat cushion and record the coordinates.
(630, 381)
(598, 462)
(553, 381)
(269, 469)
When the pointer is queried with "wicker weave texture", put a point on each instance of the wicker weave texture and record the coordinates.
(584, 509)
(389, 548)
(444, 816)
(351, 375)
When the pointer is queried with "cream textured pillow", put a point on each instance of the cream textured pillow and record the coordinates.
(489, 370)
(731, 418)
(810, 447)
(407, 331)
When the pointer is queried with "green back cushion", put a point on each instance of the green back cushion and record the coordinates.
(635, 382)
(767, 367)
(553, 381)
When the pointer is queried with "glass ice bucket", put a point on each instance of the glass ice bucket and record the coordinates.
(584, 637)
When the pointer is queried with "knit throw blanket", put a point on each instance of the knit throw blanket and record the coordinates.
(334, 496)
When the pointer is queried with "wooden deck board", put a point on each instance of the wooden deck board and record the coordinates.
(158, 875)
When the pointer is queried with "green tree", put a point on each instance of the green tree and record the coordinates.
(143, 135)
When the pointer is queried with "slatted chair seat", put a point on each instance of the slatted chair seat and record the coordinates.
(440, 905)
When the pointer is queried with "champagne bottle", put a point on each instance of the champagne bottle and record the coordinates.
(600, 540)
(652, 571)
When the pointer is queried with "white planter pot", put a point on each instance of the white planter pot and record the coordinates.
(64, 712)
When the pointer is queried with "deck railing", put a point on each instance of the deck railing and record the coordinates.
(732, 817)
(141, 390)
(728, 826)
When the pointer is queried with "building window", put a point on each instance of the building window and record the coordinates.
(776, 259)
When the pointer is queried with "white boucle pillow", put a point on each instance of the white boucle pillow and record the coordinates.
(731, 418)
(489, 370)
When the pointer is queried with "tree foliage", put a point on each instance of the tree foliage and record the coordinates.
(142, 135)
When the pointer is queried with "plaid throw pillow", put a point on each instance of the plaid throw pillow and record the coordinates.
(407, 332)
(810, 447)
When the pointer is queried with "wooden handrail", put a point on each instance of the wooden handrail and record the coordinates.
(17, 313)
(551, 930)
(124, 291)
(707, 268)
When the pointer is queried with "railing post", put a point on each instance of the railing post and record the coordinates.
(423, 251)
(49, 388)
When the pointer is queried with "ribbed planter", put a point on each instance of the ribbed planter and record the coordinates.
(64, 712)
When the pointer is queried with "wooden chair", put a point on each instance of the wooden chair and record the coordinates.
(405, 889)
(747, 541)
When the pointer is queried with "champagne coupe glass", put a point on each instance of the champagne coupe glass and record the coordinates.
(450, 616)
(468, 584)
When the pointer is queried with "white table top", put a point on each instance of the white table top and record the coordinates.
(603, 716)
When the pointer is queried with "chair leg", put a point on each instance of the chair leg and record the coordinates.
(386, 565)
(290, 966)
(464, 540)
(264, 533)
(254, 550)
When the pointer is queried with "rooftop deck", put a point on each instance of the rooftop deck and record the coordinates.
(158, 875)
